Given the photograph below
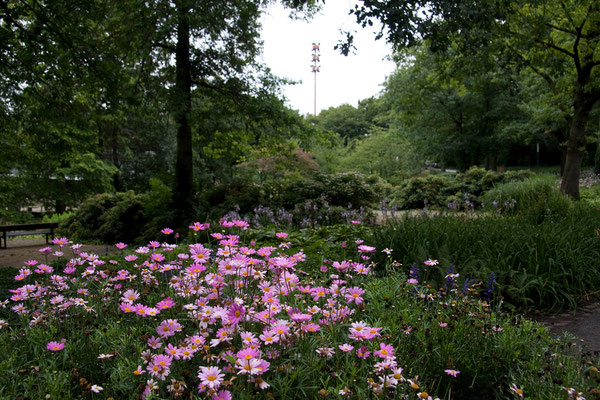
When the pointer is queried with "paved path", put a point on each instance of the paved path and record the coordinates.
(583, 323)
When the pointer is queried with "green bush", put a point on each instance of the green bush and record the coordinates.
(536, 198)
(288, 192)
(464, 191)
(109, 217)
(419, 191)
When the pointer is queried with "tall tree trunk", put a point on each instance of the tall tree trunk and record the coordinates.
(576, 143)
(183, 191)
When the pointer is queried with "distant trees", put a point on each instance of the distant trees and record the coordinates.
(557, 40)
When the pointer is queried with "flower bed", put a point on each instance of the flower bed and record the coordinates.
(224, 320)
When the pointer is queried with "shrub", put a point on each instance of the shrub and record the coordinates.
(109, 217)
(464, 191)
(535, 198)
(420, 191)
(293, 191)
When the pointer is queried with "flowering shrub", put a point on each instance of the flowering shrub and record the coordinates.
(217, 320)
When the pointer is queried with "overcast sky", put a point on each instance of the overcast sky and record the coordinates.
(288, 52)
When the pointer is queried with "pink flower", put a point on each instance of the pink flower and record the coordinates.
(120, 245)
(385, 350)
(431, 262)
(312, 327)
(365, 249)
(354, 295)
(281, 235)
(197, 226)
(355, 222)
(210, 377)
(165, 304)
(515, 389)
(236, 313)
(45, 250)
(55, 346)
(248, 353)
(167, 231)
(346, 347)
(221, 395)
(452, 372)
(61, 242)
(362, 352)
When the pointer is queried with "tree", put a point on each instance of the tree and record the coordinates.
(558, 40)
(108, 56)
(453, 110)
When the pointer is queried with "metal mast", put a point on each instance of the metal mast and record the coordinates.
(316, 53)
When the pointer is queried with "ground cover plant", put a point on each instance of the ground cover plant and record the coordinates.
(235, 319)
(547, 264)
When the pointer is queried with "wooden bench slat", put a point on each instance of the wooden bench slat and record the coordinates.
(45, 228)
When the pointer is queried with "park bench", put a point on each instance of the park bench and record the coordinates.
(7, 231)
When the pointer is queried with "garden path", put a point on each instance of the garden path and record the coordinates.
(584, 323)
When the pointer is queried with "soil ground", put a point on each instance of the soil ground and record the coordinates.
(584, 323)
(20, 250)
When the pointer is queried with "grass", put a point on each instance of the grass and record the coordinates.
(547, 265)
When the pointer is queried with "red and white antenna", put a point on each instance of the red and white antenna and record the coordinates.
(316, 54)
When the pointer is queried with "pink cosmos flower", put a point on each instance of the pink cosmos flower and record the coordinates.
(355, 222)
(157, 257)
(235, 313)
(431, 262)
(362, 352)
(248, 354)
(346, 347)
(130, 295)
(312, 327)
(167, 328)
(281, 235)
(269, 338)
(385, 350)
(353, 295)
(365, 249)
(60, 241)
(45, 250)
(452, 372)
(210, 377)
(120, 245)
(154, 342)
(167, 231)
(55, 346)
(248, 339)
(197, 226)
(165, 304)
(515, 389)
(222, 395)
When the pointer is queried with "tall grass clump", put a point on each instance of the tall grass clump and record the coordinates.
(547, 265)
(535, 198)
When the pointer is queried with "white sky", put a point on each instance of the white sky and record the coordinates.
(288, 52)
